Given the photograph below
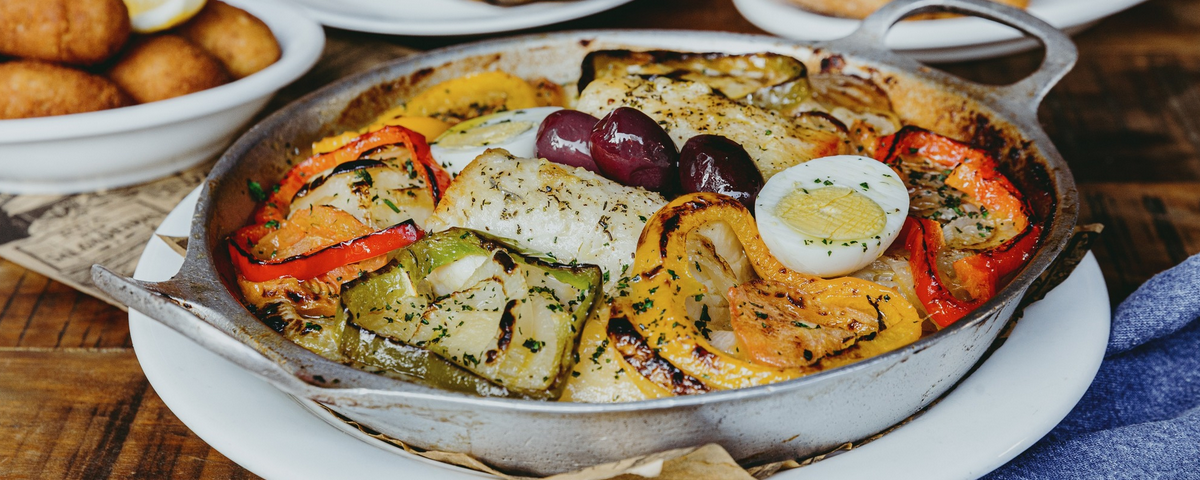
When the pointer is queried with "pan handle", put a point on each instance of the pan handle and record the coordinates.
(1061, 53)
(167, 302)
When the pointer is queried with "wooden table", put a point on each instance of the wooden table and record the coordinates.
(74, 402)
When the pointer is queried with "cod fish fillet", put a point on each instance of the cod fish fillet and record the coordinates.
(567, 213)
(686, 109)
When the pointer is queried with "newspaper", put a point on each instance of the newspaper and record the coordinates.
(61, 236)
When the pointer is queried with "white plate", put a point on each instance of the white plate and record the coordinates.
(944, 40)
(123, 146)
(447, 17)
(1012, 400)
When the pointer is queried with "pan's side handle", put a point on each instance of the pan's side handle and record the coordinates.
(1061, 53)
(169, 304)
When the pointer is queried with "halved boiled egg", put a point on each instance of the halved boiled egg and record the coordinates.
(831, 216)
(515, 131)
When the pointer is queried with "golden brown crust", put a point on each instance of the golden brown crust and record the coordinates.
(30, 88)
(243, 43)
(862, 8)
(166, 66)
(82, 32)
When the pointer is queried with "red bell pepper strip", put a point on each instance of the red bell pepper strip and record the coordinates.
(981, 273)
(312, 265)
(974, 171)
(277, 203)
(912, 140)
(981, 180)
(923, 238)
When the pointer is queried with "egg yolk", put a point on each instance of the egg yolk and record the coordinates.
(835, 213)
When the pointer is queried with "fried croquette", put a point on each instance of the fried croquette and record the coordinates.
(80, 32)
(30, 88)
(166, 66)
(243, 43)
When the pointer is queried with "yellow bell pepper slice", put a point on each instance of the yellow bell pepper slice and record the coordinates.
(429, 127)
(662, 281)
(601, 375)
(436, 108)
(472, 96)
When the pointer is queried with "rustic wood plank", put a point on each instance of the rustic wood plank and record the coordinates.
(38, 312)
(18, 310)
(1128, 121)
(44, 325)
(75, 413)
(92, 323)
(67, 412)
(11, 276)
(160, 446)
(1148, 228)
(1154, 26)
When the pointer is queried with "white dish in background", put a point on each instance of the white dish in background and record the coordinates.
(447, 17)
(124, 146)
(943, 40)
(1025, 388)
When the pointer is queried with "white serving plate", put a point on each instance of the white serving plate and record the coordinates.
(937, 41)
(1015, 397)
(447, 17)
(124, 146)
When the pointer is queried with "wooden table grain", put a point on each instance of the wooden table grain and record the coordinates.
(75, 404)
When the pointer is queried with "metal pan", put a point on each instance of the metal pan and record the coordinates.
(757, 425)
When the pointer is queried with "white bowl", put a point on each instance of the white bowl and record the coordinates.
(124, 146)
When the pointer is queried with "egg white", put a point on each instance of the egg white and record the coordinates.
(821, 256)
(455, 159)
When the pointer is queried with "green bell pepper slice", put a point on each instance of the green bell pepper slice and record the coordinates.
(480, 304)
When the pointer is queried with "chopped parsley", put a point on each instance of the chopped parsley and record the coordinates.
(365, 177)
(256, 191)
(533, 345)
(702, 322)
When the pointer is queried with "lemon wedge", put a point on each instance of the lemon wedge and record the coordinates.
(149, 16)
(478, 134)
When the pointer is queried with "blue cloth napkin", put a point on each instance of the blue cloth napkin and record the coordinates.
(1140, 419)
